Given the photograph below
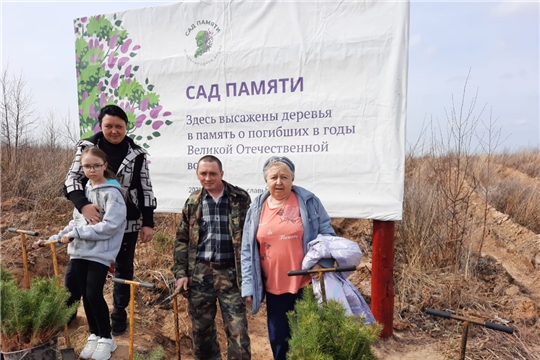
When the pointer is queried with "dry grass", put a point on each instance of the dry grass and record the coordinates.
(154, 261)
(37, 173)
(436, 226)
(438, 249)
(525, 161)
(520, 200)
(512, 186)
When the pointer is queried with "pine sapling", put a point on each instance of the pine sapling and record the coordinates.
(327, 333)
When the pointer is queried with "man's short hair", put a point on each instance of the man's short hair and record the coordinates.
(211, 158)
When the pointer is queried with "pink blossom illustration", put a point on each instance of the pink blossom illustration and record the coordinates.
(106, 74)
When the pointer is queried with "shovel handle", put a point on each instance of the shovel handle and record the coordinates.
(310, 271)
(440, 313)
(131, 282)
(344, 268)
(173, 295)
(47, 243)
(27, 232)
(499, 327)
(489, 325)
(52, 242)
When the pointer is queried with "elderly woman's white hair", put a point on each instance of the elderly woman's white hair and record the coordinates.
(278, 159)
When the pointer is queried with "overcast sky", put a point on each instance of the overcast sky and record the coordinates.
(497, 41)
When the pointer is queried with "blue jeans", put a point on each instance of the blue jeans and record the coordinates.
(279, 331)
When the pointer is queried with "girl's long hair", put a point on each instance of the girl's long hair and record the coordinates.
(108, 173)
(95, 151)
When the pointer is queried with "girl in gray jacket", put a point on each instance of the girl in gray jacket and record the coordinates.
(93, 247)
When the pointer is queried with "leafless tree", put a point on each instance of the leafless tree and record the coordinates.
(59, 131)
(452, 151)
(489, 142)
(18, 115)
(50, 134)
(6, 130)
(71, 133)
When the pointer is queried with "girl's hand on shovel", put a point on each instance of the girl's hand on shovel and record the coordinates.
(36, 244)
(65, 239)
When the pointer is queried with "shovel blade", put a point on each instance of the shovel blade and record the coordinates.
(68, 354)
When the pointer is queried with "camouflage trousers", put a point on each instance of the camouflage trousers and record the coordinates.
(208, 286)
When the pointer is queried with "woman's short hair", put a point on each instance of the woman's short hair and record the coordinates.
(278, 159)
(112, 110)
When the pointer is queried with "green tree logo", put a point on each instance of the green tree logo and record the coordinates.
(204, 40)
(105, 76)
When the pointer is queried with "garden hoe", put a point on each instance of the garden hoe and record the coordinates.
(25, 260)
(320, 275)
(68, 353)
(466, 323)
(173, 298)
(132, 285)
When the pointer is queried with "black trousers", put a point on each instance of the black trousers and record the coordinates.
(123, 269)
(279, 330)
(91, 277)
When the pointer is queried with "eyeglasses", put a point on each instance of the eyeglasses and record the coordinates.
(92, 167)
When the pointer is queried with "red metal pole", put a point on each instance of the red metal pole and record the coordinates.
(382, 279)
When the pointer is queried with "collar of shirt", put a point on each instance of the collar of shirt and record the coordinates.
(216, 199)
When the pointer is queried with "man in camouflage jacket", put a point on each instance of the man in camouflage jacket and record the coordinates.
(207, 262)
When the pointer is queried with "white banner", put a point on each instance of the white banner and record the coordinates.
(322, 83)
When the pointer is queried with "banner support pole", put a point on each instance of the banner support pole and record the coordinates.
(382, 279)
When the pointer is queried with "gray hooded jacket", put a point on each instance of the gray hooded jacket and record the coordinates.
(99, 242)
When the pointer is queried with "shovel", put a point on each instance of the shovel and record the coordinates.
(25, 260)
(466, 323)
(132, 284)
(173, 298)
(68, 353)
(320, 273)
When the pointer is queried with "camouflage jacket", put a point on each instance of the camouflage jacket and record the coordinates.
(187, 234)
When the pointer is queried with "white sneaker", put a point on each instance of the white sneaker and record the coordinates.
(104, 349)
(91, 345)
